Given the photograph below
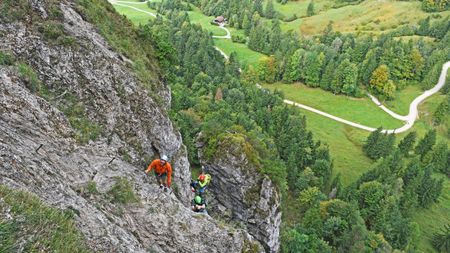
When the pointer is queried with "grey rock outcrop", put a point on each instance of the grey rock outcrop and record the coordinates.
(240, 192)
(135, 123)
(39, 154)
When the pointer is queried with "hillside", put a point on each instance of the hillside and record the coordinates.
(89, 98)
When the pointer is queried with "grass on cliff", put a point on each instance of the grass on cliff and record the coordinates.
(123, 37)
(122, 192)
(74, 110)
(27, 224)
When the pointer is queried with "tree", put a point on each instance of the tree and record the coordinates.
(312, 67)
(350, 71)
(267, 69)
(380, 81)
(328, 75)
(442, 111)
(407, 143)
(378, 144)
(334, 228)
(270, 11)
(441, 240)
(302, 243)
(258, 7)
(246, 24)
(370, 199)
(322, 169)
(370, 146)
(310, 10)
(310, 197)
(292, 73)
(424, 27)
(417, 64)
(369, 64)
(429, 189)
(426, 144)
(256, 39)
(440, 158)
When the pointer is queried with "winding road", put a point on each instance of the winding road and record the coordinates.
(228, 36)
(408, 119)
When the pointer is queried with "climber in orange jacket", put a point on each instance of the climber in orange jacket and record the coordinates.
(163, 169)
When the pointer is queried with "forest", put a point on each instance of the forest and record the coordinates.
(212, 97)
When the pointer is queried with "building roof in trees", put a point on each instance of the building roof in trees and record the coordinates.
(220, 19)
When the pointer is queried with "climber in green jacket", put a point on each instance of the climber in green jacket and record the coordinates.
(198, 205)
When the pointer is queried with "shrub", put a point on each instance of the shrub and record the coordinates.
(51, 30)
(290, 18)
(91, 187)
(6, 58)
(30, 77)
(238, 39)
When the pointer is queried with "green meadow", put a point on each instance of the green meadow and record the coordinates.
(358, 110)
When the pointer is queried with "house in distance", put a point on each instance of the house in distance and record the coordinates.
(220, 20)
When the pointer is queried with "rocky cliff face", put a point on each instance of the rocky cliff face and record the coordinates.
(39, 151)
(241, 193)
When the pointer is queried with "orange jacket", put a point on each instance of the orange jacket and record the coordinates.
(160, 169)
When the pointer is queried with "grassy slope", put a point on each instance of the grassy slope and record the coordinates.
(403, 98)
(299, 7)
(370, 15)
(345, 145)
(359, 110)
(43, 229)
(197, 17)
(244, 54)
(138, 18)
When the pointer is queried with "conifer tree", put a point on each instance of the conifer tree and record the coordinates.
(440, 156)
(310, 10)
(270, 11)
(407, 143)
(429, 189)
(426, 144)
(441, 240)
(258, 7)
(328, 75)
(246, 24)
(370, 146)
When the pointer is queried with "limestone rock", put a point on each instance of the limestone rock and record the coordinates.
(238, 190)
(38, 152)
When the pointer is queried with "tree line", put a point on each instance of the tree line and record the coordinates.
(341, 63)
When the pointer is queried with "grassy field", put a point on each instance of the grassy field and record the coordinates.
(345, 144)
(359, 110)
(368, 16)
(138, 18)
(244, 54)
(403, 98)
(197, 17)
(299, 7)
